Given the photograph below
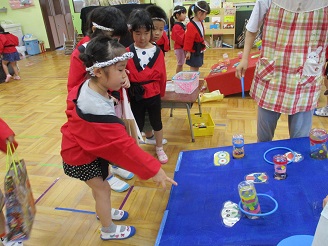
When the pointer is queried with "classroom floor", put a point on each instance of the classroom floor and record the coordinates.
(34, 108)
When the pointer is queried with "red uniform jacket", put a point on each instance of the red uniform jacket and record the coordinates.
(77, 73)
(86, 137)
(193, 37)
(8, 43)
(5, 132)
(85, 39)
(154, 73)
(164, 43)
(178, 35)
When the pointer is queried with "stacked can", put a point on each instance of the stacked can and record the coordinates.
(280, 167)
(318, 143)
(238, 146)
(249, 199)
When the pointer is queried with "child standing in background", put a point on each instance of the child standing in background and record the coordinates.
(194, 43)
(178, 35)
(8, 43)
(147, 77)
(159, 36)
(6, 135)
(93, 136)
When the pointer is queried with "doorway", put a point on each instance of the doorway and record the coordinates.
(57, 18)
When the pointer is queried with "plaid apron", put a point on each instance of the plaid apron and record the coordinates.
(288, 75)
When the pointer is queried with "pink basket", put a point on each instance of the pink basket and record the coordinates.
(186, 82)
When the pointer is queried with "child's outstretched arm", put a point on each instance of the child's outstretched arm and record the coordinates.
(161, 178)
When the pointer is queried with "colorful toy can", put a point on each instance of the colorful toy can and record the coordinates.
(240, 54)
(318, 143)
(280, 167)
(249, 199)
(238, 146)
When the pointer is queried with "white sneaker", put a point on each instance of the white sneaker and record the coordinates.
(152, 141)
(117, 184)
(6, 243)
(121, 172)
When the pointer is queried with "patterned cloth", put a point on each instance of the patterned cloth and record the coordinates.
(289, 72)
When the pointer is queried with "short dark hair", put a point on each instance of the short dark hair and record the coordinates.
(140, 18)
(109, 17)
(157, 12)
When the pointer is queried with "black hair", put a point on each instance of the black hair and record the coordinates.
(1, 29)
(178, 10)
(157, 12)
(101, 49)
(109, 17)
(193, 9)
(140, 18)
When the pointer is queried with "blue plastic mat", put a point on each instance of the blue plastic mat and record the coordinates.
(193, 212)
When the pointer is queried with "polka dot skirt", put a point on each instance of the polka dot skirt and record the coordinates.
(83, 172)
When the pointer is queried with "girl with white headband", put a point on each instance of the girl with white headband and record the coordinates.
(178, 30)
(194, 43)
(93, 136)
(111, 22)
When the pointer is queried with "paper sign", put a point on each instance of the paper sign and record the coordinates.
(229, 18)
(216, 20)
(227, 5)
(229, 11)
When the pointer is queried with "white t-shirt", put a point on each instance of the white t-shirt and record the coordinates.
(199, 24)
(91, 102)
(262, 6)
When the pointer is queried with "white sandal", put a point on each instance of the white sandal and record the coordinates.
(321, 111)
(162, 157)
(118, 235)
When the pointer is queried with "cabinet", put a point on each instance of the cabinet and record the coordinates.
(220, 28)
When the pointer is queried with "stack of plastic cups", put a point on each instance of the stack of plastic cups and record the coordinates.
(318, 144)
(249, 199)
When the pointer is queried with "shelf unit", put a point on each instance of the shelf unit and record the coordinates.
(220, 28)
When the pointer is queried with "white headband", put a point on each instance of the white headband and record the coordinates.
(176, 11)
(157, 18)
(125, 56)
(102, 27)
(196, 4)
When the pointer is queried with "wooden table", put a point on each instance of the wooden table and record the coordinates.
(177, 100)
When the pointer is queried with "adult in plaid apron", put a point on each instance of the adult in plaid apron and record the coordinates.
(289, 72)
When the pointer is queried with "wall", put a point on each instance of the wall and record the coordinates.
(75, 17)
(167, 5)
(34, 25)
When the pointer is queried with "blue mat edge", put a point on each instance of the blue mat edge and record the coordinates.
(161, 228)
(177, 167)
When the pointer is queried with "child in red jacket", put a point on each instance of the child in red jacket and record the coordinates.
(178, 35)
(147, 77)
(194, 43)
(6, 135)
(8, 43)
